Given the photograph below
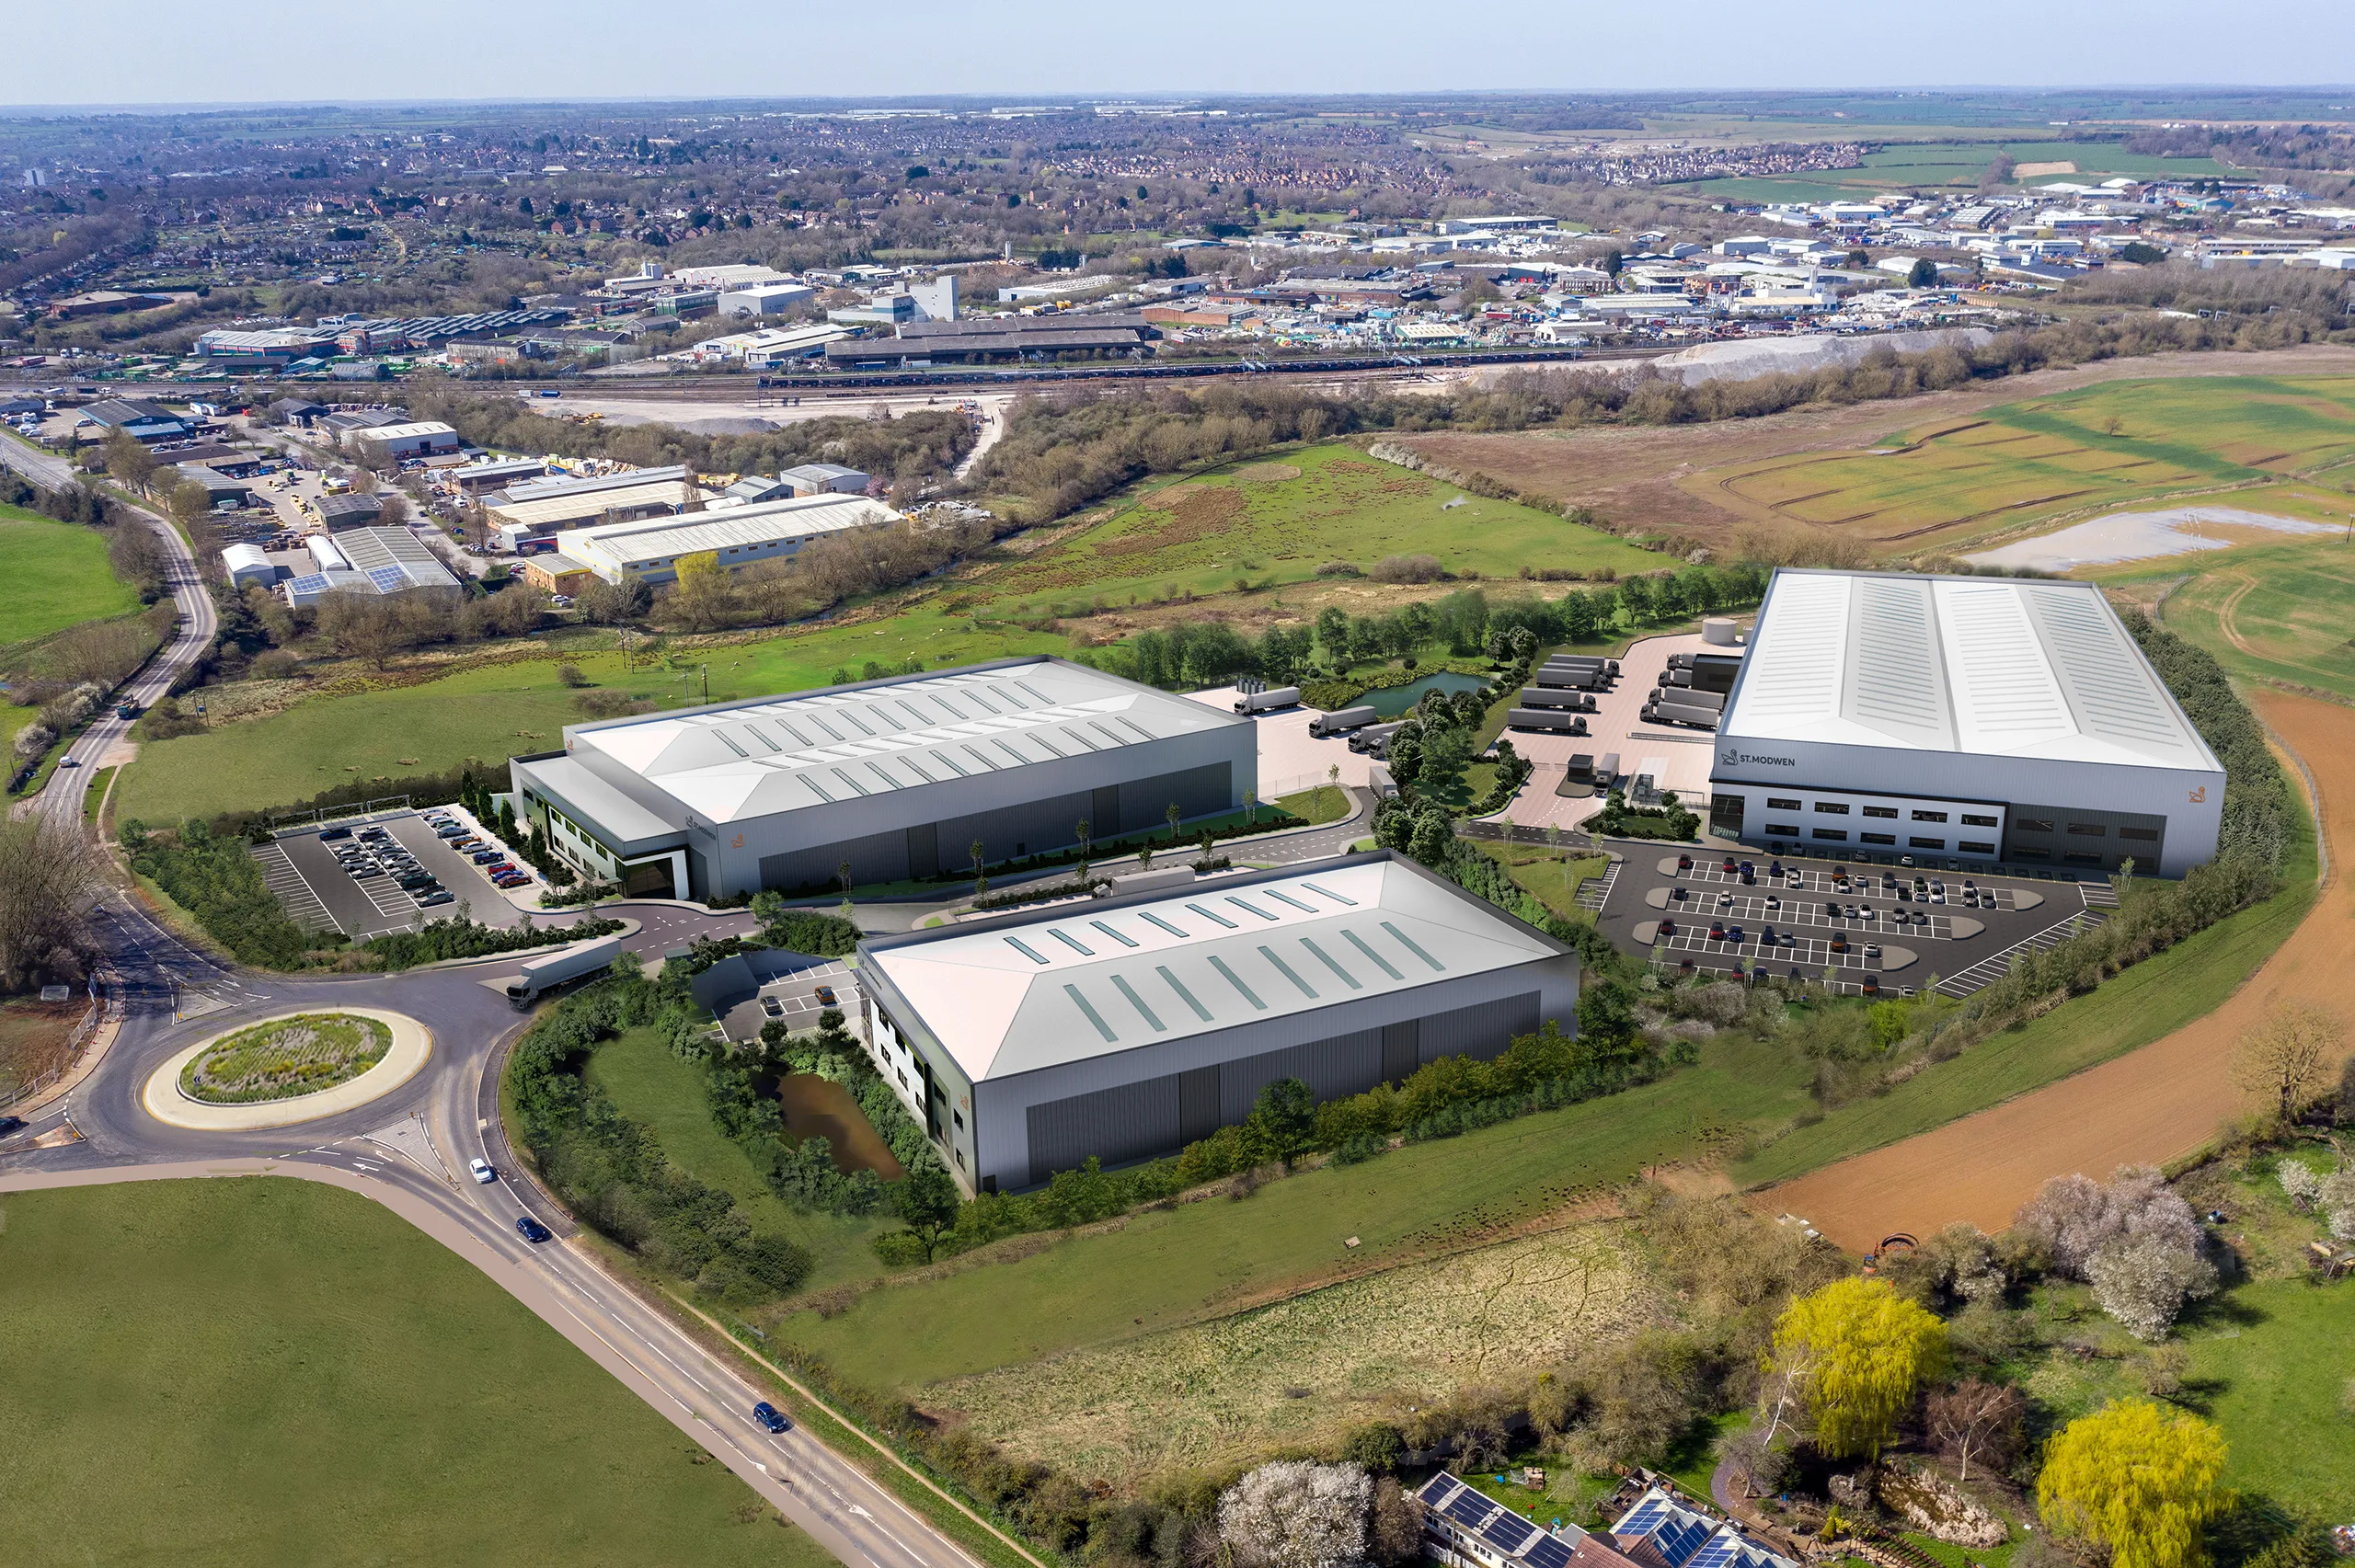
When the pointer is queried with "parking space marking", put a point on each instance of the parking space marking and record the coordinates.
(1992, 967)
(285, 879)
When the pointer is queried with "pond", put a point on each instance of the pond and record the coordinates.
(1390, 702)
(820, 1107)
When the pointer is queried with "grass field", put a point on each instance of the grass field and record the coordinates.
(651, 1083)
(57, 577)
(259, 1373)
(1165, 1269)
(2277, 612)
(1551, 874)
(1906, 165)
(1277, 522)
(2152, 998)
(1943, 483)
(1299, 1372)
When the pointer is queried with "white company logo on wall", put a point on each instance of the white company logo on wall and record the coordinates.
(1733, 758)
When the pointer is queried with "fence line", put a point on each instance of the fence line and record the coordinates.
(75, 1043)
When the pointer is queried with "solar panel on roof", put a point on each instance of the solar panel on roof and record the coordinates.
(1507, 1530)
(1547, 1551)
(1469, 1507)
(1721, 1551)
(387, 579)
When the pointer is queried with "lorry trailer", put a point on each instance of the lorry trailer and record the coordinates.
(1340, 721)
(542, 975)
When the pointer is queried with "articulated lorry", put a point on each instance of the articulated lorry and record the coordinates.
(539, 976)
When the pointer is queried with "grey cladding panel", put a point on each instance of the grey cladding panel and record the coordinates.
(1106, 818)
(1344, 1064)
(1481, 1031)
(1399, 1047)
(923, 850)
(1196, 1104)
(1130, 1122)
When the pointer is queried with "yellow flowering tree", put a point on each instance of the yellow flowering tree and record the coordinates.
(1856, 1353)
(2136, 1479)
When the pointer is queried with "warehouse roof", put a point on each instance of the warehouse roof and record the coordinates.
(411, 432)
(575, 484)
(541, 508)
(1993, 666)
(736, 761)
(393, 559)
(689, 533)
(1064, 984)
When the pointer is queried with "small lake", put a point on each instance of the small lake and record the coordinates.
(815, 1106)
(1392, 701)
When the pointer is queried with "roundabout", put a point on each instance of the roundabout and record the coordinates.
(288, 1068)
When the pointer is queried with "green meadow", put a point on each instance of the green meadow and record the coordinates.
(57, 577)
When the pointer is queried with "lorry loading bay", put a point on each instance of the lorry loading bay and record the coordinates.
(1879, 930)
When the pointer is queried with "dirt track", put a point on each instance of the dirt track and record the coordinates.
(2149, 1105)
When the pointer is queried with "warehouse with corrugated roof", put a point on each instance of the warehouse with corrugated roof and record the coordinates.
(1120, 1029)
(894, 778)
(1958, 720)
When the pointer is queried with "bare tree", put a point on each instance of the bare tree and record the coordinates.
(47, 872)
(2286, 1059)
(1975, 1420)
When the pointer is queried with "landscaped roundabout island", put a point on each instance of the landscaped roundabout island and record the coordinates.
(294, 1067)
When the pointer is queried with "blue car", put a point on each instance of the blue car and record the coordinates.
(532, 1231)
(771, 1418)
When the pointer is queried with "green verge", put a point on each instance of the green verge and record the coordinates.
(57, 576)
(651, 1084)
(1160, 1268)
(265, 1372)
(2155, 997)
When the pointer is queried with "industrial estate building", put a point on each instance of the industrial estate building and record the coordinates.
(1959, 718)
(368, 560)
(1124, 1028)
(650, 549)
(894, 778)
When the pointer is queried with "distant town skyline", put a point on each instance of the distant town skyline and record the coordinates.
(280, 52)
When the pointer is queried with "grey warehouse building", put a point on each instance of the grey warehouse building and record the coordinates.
(1959, 718)
(1125, 1028)
(897, 776)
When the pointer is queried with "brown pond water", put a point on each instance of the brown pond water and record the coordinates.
(818, 1107)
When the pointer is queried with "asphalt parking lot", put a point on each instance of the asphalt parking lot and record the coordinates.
(302, 870)
(1791, 918)
(795, 1000)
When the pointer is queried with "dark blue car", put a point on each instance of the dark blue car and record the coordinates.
(532, 1231)
(771, 1418)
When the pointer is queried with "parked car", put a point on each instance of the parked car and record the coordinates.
(484, 857)
(439, 896)
(773, 1006)
(328, 833)
(825, 996)
(532, 1231)
(483, 1171)
(770, 1418)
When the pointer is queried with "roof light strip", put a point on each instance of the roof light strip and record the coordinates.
(1236, 981)
(1152, 919)
(1380, 962)
(1124, 941)
(1026, 950)
(1252, 907)
(1122, 985)
(1287, 972)
(729, 741)
(1409, 944)
(1347, 979)
(1184, 995)
(1328, 893)
(1288, 898)
(1093, 1016)
(1068, 940)
(1210, 915)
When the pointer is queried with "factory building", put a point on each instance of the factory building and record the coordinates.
(1958, 720)
(650, 550)
(1121, 1029)
(368, 560)
(895, 778)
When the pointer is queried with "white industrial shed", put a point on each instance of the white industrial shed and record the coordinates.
(1124, 1028)
(650, 550)
(1959, 718)
(896, 777)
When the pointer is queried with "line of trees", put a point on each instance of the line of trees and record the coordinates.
(216, 879)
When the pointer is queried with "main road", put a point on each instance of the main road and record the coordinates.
(61, 799)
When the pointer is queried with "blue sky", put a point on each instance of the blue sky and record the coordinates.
(248, 51)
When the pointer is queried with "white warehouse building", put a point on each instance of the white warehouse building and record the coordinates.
(1121, 1029)
(1966, 719)
(649, 549)
(897, 778)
